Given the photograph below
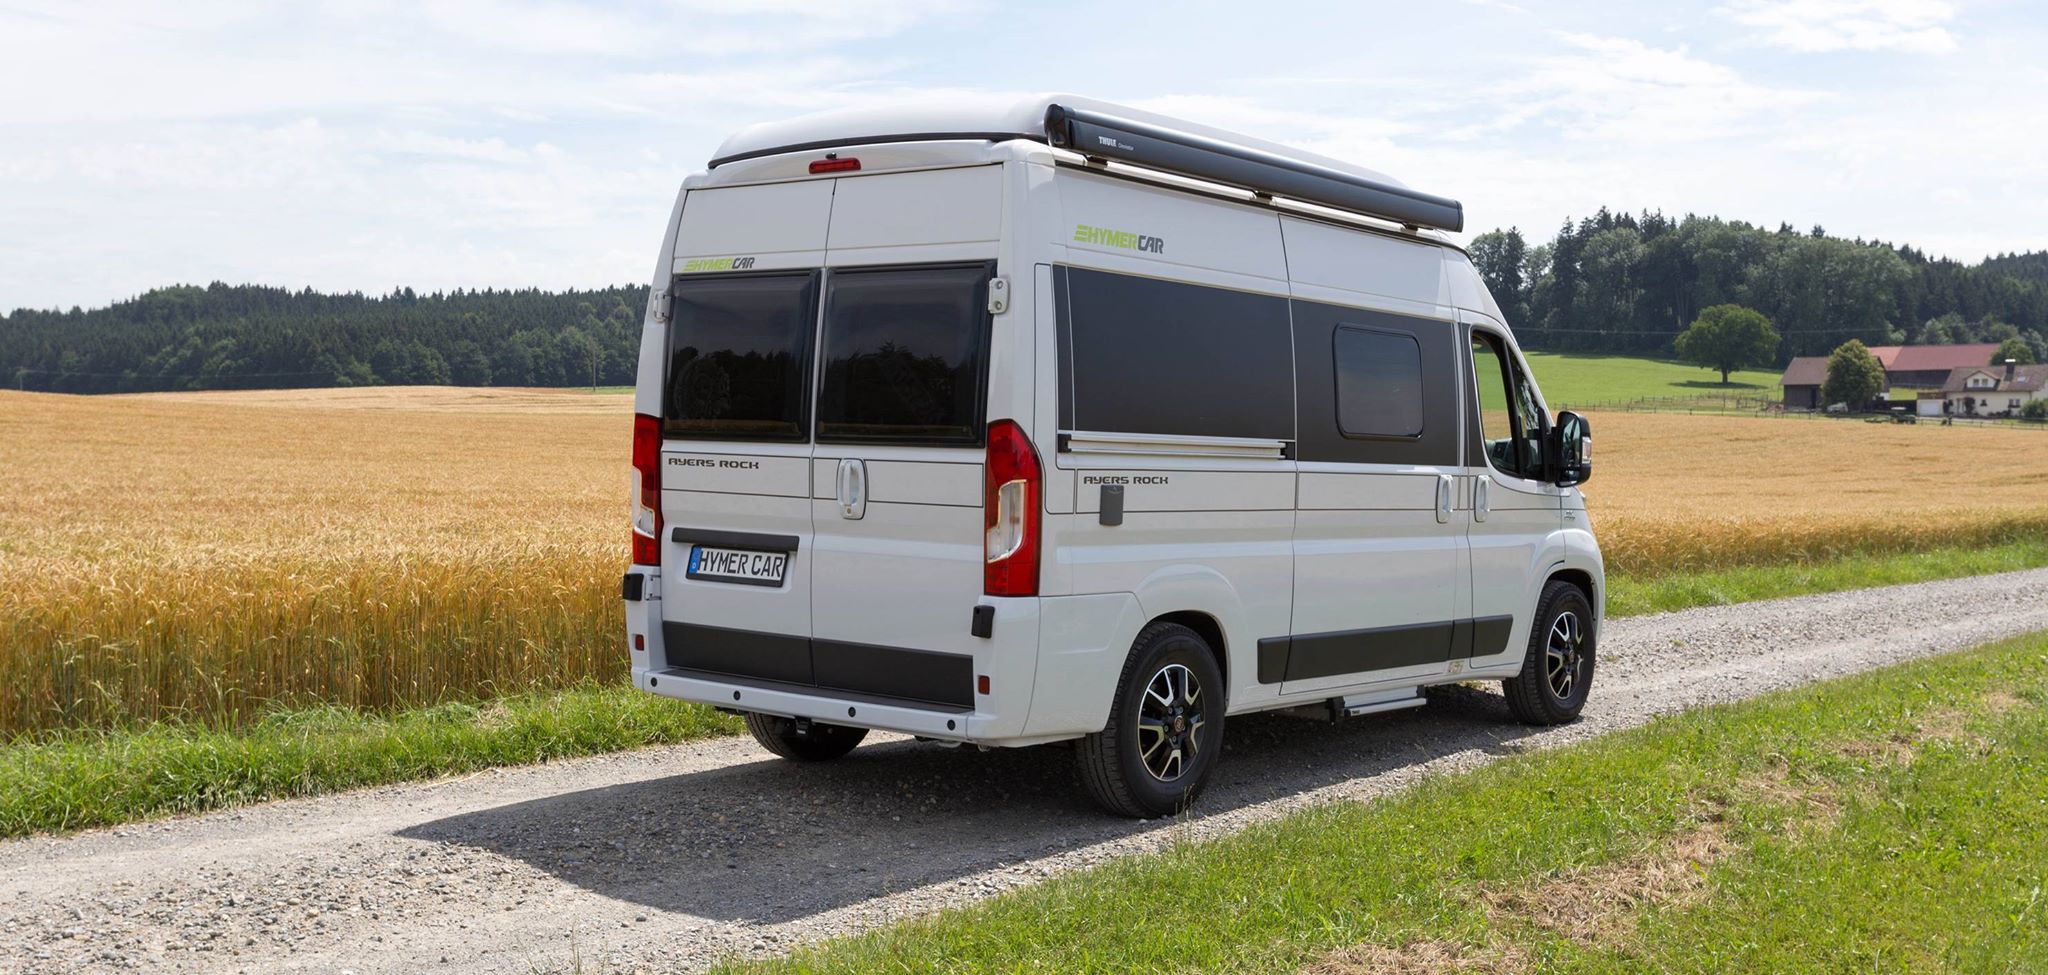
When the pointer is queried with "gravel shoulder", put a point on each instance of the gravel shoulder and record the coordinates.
(668, 858)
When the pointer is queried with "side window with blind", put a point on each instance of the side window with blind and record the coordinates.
(1374, 386)
(1379, 383)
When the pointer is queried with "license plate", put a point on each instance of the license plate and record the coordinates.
(737, 565)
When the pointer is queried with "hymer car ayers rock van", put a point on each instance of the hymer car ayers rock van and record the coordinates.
(1052, 420)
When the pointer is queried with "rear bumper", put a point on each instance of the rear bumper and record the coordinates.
(936, 695)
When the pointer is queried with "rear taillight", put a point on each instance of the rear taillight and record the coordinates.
(1010, 512)
(833, 164)
(646, 490)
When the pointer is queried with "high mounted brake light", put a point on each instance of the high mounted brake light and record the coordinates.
(834, 164)
(646, 489)
(1010, 512)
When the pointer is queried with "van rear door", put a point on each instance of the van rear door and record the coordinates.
(904, 358)
(736, 452)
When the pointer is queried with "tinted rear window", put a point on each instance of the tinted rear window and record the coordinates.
(739, 357)
(906, 355)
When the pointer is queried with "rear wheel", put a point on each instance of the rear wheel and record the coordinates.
(803, 742)
(1557, 673)
(1165, 729)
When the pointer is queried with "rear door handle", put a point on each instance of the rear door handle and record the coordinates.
(1481, 494)
(852, 488)
(1443, 499)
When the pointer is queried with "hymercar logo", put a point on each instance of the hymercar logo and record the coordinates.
(717, 264)
(1105, 237)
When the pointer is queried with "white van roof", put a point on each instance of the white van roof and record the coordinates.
(1098, 128)
(996, 117)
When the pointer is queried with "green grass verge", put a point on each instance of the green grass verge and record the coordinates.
(1575, 381)
(99, 778)
(1627, 596)
(1896, 821)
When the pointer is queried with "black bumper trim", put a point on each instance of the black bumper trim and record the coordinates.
(912, 678)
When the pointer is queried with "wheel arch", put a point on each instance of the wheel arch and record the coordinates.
(1209, 629)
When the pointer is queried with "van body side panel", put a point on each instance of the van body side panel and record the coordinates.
(1379, 573)
(1172, 328)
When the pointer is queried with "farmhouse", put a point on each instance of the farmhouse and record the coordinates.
(1998, 390)
(1908, 366)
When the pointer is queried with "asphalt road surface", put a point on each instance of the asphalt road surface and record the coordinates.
(668, 859)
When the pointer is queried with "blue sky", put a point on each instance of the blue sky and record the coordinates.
(446, 143)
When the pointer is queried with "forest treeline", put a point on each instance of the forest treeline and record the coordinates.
(1621, 283)
(1629, 284)
(244, 336)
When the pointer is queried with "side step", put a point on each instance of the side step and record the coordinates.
(1357, 704)
(1338, 708)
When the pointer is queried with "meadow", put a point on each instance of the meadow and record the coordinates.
(1575, 381)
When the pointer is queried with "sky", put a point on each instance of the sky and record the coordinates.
(438, 144)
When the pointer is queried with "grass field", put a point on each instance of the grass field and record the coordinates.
(1896, 821)
(1573, 381)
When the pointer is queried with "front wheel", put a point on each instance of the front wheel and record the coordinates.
(806, 742)
(1165, 729)
(1557, 673)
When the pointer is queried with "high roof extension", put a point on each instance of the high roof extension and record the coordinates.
(1101, 130)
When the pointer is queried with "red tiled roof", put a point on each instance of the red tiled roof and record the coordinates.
(1812, 370)
(1928, 358)
(1806, 370)
(2025, 379)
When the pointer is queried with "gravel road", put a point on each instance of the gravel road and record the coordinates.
(666, 859)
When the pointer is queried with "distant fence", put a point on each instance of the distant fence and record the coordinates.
(1698, 403)
(1735, 404)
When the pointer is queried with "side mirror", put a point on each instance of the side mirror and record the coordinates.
(1570, 450)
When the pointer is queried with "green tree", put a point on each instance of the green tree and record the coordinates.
(1728, 337)
(1854, 375)
(2036, 409)
(2015, 349)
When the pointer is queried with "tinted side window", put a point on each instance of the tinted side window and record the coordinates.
(1376, 387)
(1379, 383)
(739, 354)
(906, 355)
(1140, 355)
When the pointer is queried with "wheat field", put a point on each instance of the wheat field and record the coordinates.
(1680, 493)
(207, 556)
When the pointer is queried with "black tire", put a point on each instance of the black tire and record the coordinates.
(1557, 672)
(1116, 768)
(814, 742)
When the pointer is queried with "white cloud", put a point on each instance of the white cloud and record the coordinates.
(1813, 26)
(1620, 88)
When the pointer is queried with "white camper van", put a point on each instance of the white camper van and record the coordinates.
(1053, 420)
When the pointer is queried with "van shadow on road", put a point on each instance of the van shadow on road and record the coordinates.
(773, 841)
